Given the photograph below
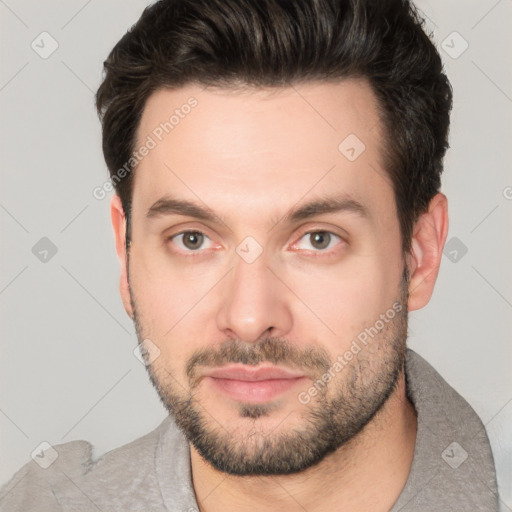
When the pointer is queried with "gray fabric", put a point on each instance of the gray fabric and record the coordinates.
(440, 477)
(153, 473)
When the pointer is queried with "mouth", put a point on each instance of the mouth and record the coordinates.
(253, 384)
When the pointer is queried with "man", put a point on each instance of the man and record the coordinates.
(277, 214)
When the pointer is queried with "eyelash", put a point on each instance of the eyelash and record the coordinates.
(191, 253)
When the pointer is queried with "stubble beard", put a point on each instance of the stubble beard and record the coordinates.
(331, 419)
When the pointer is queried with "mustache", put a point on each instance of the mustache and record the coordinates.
(314, 360)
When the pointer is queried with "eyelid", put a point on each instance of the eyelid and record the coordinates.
(189, 252)
(319, 230)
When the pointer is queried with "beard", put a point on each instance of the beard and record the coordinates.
(336, 415)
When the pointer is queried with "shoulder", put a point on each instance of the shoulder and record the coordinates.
(440, 407)
(73, 474)
(31, 488)
(453, 466)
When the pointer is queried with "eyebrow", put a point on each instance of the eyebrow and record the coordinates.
(336, 204)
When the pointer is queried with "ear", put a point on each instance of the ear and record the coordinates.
(119, 224)
(429, 236)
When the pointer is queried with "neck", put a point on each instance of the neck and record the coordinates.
(367, 473)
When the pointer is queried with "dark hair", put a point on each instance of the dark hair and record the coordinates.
(267, 43)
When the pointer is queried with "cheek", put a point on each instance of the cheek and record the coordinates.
(172, 306)
(345, 298)
(166, 288)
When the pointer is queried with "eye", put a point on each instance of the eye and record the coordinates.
(318, 240)
(190, 241)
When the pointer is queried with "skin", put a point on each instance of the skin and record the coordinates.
(251, 156)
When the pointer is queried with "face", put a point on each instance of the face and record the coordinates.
(265, 269)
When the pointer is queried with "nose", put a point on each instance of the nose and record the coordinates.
(254, 303)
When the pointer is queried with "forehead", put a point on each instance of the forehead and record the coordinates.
(262, 149)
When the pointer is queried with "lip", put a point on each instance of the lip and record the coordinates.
(253, 384)
(252, 373)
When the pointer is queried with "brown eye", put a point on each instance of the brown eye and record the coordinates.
(320, 239)
(192, 239)
(322, 242)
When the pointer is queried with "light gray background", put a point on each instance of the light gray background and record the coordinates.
(67, 364)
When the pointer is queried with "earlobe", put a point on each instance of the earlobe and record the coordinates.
(119, 226)
(429, 237)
